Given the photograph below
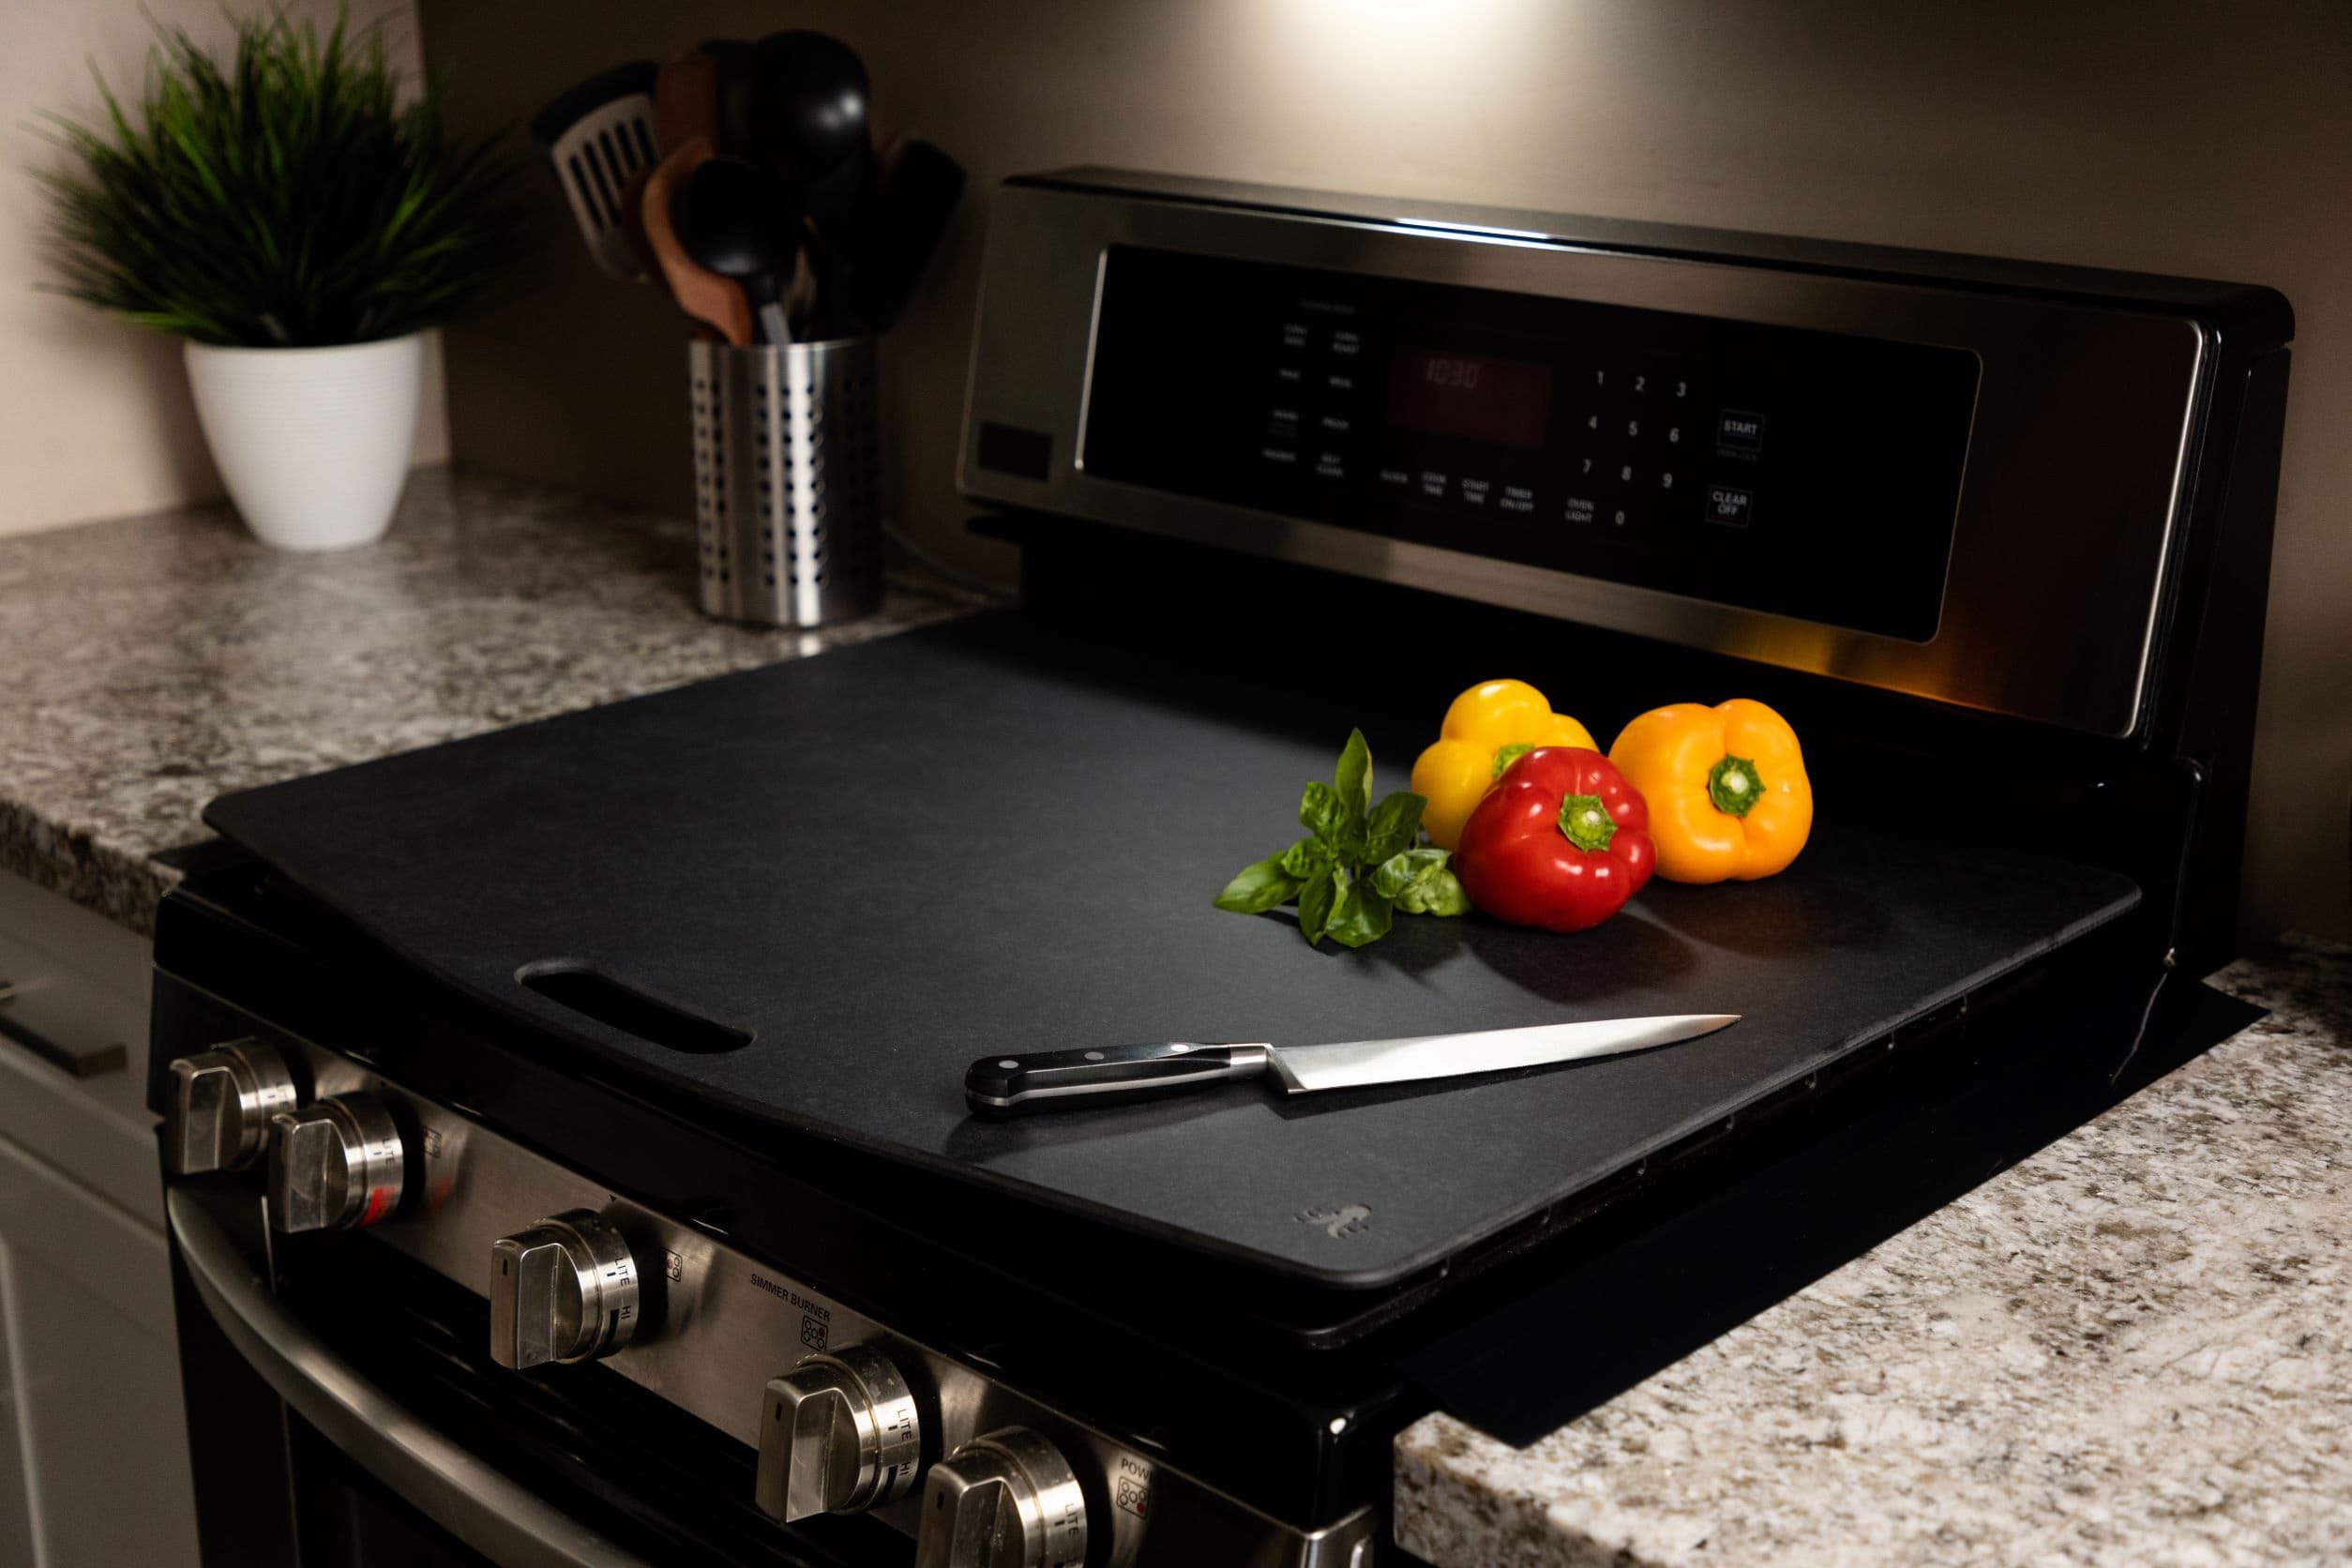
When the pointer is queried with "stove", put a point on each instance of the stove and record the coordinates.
(567, 1159)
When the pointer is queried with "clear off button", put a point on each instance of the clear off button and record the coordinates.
(1733, 505)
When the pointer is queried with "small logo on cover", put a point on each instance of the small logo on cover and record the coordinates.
(1347, 1219)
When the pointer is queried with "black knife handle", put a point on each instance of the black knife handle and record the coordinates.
(1059, 1079)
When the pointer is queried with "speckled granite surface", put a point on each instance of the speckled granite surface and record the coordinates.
(155, 662)
(2133, 1348)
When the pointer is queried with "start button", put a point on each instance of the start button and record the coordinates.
(1740, 431)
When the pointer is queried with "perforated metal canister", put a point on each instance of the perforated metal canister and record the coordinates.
(787, 481)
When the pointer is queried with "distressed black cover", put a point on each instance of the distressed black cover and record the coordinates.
(994, 835)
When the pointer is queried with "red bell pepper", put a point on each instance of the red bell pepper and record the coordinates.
(1561, 841)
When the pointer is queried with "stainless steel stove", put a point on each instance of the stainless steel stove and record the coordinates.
(561, 1171)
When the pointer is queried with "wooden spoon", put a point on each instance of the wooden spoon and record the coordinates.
(686, 100)
(633, 223)
(702, 294)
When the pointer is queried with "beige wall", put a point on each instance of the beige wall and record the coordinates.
(94, 416)
(2203, 139)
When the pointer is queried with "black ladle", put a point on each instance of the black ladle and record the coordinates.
(738, 220)
(796, 104)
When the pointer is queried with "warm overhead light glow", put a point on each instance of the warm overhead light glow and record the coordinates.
(1438, 72)
(1408, 21)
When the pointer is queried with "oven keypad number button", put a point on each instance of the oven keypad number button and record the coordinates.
(563, 1291)
(1006, 1500)
(223, 1100)
(838, 1434)
(335, 1166)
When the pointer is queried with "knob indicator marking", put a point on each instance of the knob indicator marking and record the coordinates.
(337, 1165)
(563, 1291)
(1006, 1500)
(223, 1100)
(838, 1434)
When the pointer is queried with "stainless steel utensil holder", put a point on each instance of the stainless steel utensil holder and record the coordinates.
(787, 481)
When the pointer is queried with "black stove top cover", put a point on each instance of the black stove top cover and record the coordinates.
(994, 835)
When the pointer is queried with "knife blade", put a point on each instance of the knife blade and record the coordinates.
(1058, 1079)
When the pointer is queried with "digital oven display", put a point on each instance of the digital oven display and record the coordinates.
(1506, 401)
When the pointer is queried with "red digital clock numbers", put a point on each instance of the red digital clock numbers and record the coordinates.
(1507, 401)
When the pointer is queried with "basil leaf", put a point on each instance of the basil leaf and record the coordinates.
(1306, 857)
(1359, 864)
(1314, 903)
(1359, 915)
(1321, 814)
(1393, 825)
(1438, 893)
(1257, 888)
(1354, 777)
(1400, 873)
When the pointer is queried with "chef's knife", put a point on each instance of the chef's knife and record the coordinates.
(1058, 1079)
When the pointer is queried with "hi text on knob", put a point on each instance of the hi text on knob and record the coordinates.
(338, 1164)
(1005, 1499)
(223, 1100)
(564, 1291)
(838, 1434)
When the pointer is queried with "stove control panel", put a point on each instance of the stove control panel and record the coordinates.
(1958, 479)
(563, 1291)
(335, 1165)
(1004, 1499)
(839, 1434)
(1803, 472)
(222, 1099)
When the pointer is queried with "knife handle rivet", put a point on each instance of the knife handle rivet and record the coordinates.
(1007, 1063)
(1093, 1056)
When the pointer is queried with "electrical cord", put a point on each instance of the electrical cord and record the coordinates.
(937, 567)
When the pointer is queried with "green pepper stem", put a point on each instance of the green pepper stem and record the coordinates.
(1585, 822)
(1735, 786)
(1504, 757)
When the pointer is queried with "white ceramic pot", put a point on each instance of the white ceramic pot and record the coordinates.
(314, 444)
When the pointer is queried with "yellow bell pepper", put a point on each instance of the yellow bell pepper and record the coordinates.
(1726, 787)
(1488, 728)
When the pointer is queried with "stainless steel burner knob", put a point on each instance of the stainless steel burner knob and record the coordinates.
(1003, 1501)
(565, 1290)
(221, 1103)
(838, 1434)
(337, 1163)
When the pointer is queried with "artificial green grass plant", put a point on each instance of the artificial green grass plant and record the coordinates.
(287, 200)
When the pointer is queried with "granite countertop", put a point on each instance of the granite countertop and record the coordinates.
(2132, 1347)
(155, 662)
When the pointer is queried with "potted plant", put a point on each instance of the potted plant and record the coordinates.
(301, 228)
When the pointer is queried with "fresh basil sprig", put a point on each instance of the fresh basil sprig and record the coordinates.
(1359, 863)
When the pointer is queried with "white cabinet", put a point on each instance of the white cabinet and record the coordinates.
(94, 1462)
(93, 1441)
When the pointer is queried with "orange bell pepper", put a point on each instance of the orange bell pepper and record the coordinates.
(1488, 727)
(1726, 787)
